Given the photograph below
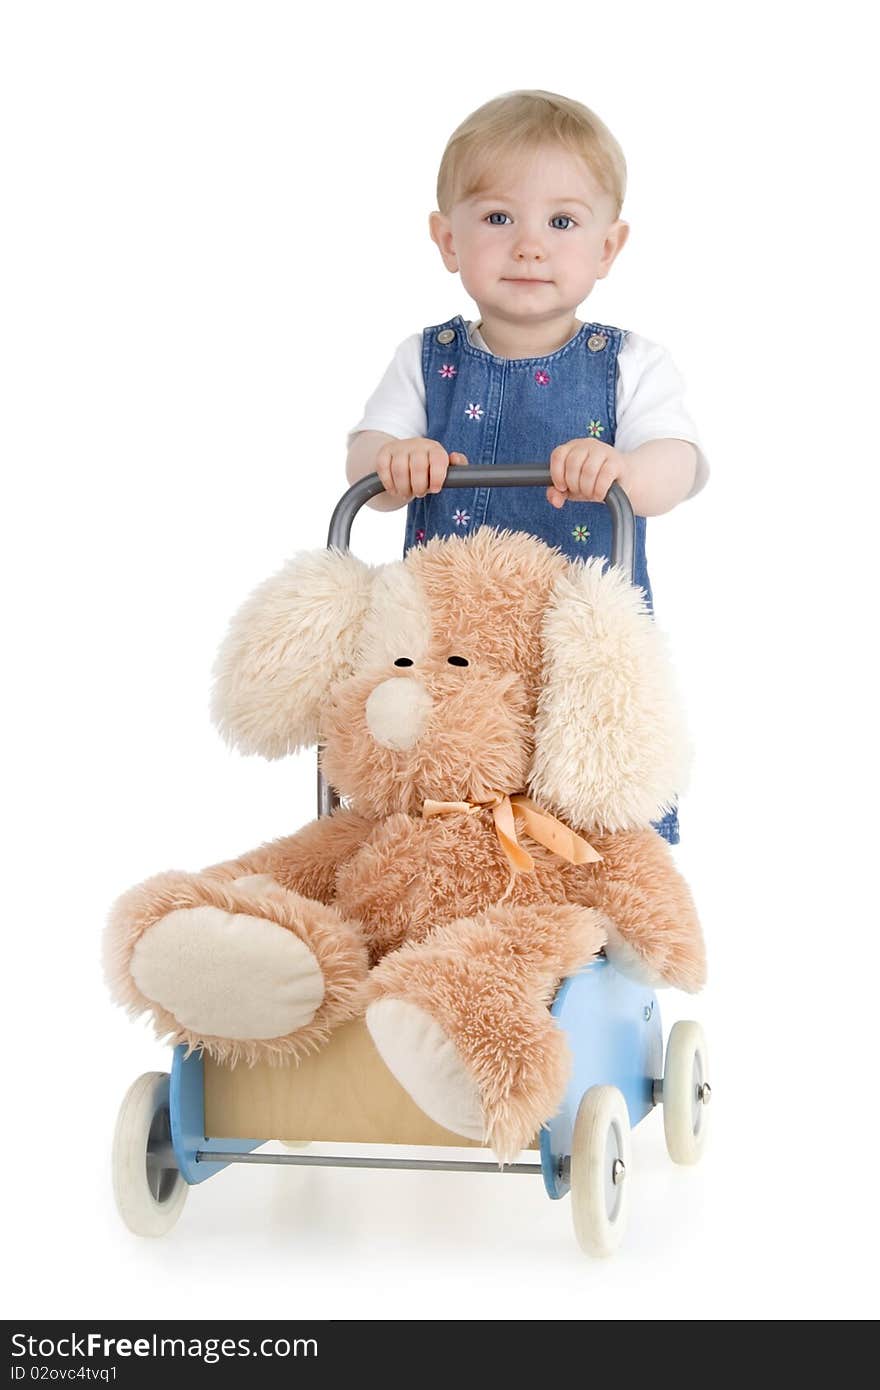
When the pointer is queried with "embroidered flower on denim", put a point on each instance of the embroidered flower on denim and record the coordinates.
(420, 536)
(580, 533)
(474, 412)
(460, 517)
(447, 371)
(542, 378)
(596, 428)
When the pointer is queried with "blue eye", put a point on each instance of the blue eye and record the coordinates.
(563, 217)
(496, 214)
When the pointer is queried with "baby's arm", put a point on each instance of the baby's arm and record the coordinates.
(407, 467)
(392, 442)
(658, 475)
(361, 460)
(655, 459)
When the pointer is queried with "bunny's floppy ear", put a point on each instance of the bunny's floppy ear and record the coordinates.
(290, 641)
(610, 749)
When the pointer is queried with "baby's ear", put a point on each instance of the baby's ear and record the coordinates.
(610, 748)
(290, 641)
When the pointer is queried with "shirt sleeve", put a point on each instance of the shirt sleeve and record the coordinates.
(650, 402)
(398, 406)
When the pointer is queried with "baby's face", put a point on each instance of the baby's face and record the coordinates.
(532, 245)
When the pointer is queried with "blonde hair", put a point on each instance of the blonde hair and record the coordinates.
(517, 123)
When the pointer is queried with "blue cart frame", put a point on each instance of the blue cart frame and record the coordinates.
(612, 1024)
(614, 1031)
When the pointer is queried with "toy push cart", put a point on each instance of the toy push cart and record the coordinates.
(175, 1131)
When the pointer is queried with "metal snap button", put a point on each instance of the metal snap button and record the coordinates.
(445, 336)
(596, 342)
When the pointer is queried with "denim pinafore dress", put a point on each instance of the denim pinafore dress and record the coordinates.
(517, 410)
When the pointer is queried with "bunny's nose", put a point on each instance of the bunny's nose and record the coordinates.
(397, 712)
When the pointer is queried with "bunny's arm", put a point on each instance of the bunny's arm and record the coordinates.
(654, 934)
(306, 862)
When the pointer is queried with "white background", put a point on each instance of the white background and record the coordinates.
(215, 234)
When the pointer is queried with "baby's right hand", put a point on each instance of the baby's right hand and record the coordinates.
(412, 467)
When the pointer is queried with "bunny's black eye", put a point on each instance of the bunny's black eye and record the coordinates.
(403, 661)
(458, 661)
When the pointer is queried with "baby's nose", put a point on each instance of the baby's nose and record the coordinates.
(529, 243)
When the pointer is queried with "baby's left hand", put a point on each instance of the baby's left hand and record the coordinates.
(583, 471)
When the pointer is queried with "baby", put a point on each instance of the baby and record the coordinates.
(530, 191)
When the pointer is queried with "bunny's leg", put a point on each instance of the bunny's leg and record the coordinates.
(235, 959)
(462, 1019)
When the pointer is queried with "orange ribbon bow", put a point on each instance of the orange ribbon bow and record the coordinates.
(512, 812)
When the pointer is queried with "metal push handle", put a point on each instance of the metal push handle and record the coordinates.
(484, 475)
(494, 475)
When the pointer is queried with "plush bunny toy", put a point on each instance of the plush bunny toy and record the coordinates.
(500, 725)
